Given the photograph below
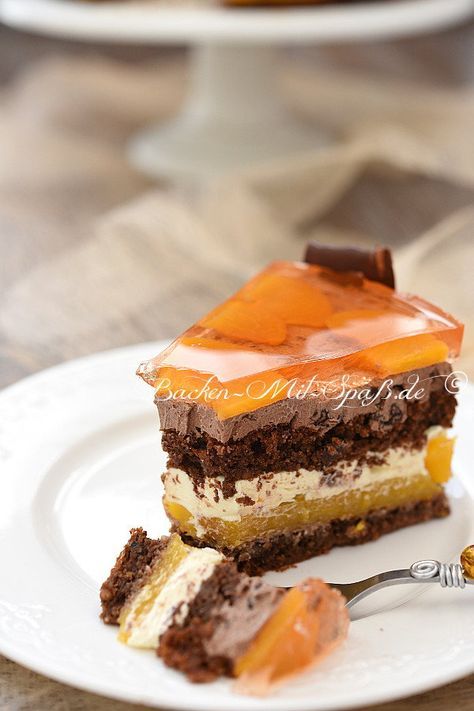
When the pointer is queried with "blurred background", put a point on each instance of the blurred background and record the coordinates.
(95, 253)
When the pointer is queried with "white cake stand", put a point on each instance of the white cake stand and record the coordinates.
(233, 116)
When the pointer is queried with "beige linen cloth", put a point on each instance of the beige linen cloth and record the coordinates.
(105, 255)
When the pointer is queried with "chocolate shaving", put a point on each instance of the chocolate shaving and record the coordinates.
(375, 265)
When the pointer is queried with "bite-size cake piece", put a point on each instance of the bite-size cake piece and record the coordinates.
(206, 619)
(310, 410)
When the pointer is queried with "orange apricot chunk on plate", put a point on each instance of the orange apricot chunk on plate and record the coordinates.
(250, 393)
(404, 354)
(296, 301)
(247, 321)
(438, 457)
(309, 622)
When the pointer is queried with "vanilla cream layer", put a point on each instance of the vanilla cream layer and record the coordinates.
(263, 494)
(172, 602)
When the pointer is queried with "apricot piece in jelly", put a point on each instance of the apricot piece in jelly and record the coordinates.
(295, 301)
(212, 344)
(250, 393)
(438, 457)
(404, 354)
(308, 623)
(184, 384)
(247, 321)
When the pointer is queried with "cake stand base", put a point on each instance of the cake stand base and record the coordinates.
(234, 117)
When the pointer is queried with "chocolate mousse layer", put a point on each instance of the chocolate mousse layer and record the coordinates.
(222, 621)
(320, 413)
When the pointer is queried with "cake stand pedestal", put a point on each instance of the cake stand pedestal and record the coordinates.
(234, 116)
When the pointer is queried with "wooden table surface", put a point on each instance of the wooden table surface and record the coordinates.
(443, 59)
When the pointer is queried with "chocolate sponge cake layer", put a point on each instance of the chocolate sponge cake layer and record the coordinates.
(284, 447)
(279, 551)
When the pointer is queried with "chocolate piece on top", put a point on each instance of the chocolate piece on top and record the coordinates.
(375, 265)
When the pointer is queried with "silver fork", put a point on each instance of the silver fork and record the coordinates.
(448, 575)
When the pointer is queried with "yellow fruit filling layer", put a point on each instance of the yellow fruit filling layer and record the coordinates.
(165, 594)
(140, 605)
(302, 512)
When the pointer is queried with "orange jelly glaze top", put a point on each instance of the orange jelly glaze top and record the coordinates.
(297, 321)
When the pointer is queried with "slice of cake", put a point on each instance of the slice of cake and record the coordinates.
(310, 410)
(206, 619)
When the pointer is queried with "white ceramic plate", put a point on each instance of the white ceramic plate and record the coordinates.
(148, 22)
(80, 463)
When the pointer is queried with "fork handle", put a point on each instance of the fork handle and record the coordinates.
(423, 571)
